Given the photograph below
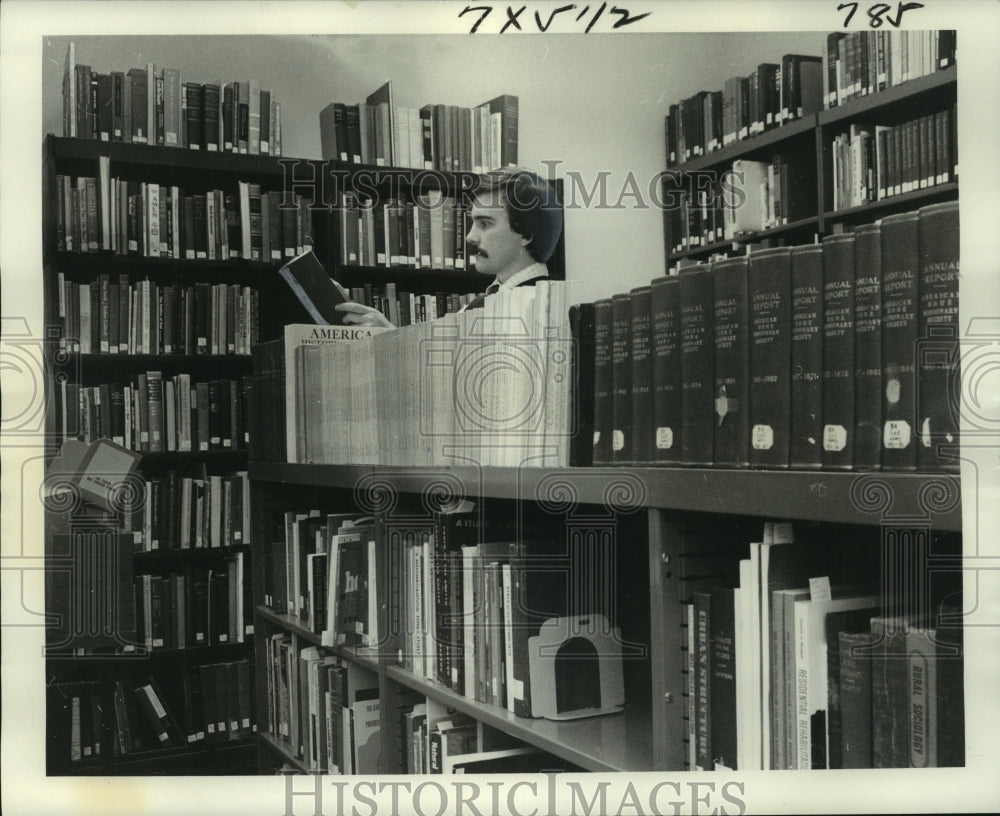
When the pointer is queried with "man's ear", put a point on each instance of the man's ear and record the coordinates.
(525, 240)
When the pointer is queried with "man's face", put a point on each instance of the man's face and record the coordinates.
(498, 250)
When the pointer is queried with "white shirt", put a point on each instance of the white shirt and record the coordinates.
(536, 271)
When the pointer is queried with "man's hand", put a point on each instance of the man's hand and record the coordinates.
(356, 314)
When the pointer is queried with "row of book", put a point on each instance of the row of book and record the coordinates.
(475, 592)
(435, 739)
(325, 710)
(203, 705)
(860, 63)
(839, 355)
(403, 308)
(155, 107)
(772, 95)
(789, 665)
(145, 317)
(155, 414)
(750, 197)
(875, 163)
(155, 220)
(490, 385)
(201, 606)
(426, 234)
(448, 138)
(178, 512)
(321, 573)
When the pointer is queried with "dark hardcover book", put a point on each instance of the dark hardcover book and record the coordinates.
(581, 323)
(833, 52)
(314, 290)
(507, 107)
(195, 108)
(938, 373)
(855, 688)
(352, 127)
(731, 363)
(697, 377)
(890, 693)
(838, 351)
(852, 622)
(704, 756)
(950, 696)
(807, 357)
(722, 662)
(621, 378)
(665, 306)
(770, 357)
(643, 432)
(139, 125)
(900, 294)
(603, 384)
(867, 347)
(211, 136)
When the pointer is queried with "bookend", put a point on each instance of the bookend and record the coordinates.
(575, 666)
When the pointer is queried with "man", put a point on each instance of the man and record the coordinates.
(516, 223)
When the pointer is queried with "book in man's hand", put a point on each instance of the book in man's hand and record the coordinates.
(314, 289)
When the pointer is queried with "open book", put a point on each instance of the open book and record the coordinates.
(314, 289)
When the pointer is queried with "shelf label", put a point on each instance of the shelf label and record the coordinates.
(896, 435)
(834, 438)
(664, 438)
(763, 437)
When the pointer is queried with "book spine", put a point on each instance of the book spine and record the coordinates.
(838, 351)
(731, 364)
(696, 366)
(807, 357)
(770, 357)
(938, 357)
(868, 347)
(665, 310)
(621, 378)
(581, 321)
(641, 449)
(603, 384)
(900, 293)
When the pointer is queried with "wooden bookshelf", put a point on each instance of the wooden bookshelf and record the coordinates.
(843, 498)
(609, 744)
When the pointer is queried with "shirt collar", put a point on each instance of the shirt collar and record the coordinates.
(536, 270)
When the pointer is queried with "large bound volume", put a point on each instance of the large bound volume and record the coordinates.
(890, 693)
(867, 347)
(838, 351)
(665, 308)
(621, 378)
(642, 378)
(732, 364)
(770, 357)
(603, 408)
(314, 289)
(939, 381)
(581, 326)
(722, 662)
(807, 356)
(696, 366)
(856, 662)
(900, 249)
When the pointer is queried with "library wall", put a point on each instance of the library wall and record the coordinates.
(594, 106)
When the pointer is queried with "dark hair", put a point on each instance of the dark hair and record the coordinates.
(532, 206)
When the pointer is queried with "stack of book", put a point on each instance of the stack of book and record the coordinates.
(840, 355)
(324, 710)
(154, 220)
(322, 575)
(865, 62)
(155, 107)
(790, 666)
(202, 606)
(491, 385)
(156, 414)
(446, 138)
(876, 163)
(772, 95)
(144, 317)
(426, 234)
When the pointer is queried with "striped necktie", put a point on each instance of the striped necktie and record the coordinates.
(478, 300)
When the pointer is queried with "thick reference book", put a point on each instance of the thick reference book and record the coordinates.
(807, 356)
(621, 378)
(867, 347)
(314, 289)
(938, 373)
(838, 351)
(581, 326)
(732, 363)
(770, 357)
(665, 307)
(642, 378)
(603, 384)
(697, 410)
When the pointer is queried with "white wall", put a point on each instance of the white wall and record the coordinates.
(592, 104)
